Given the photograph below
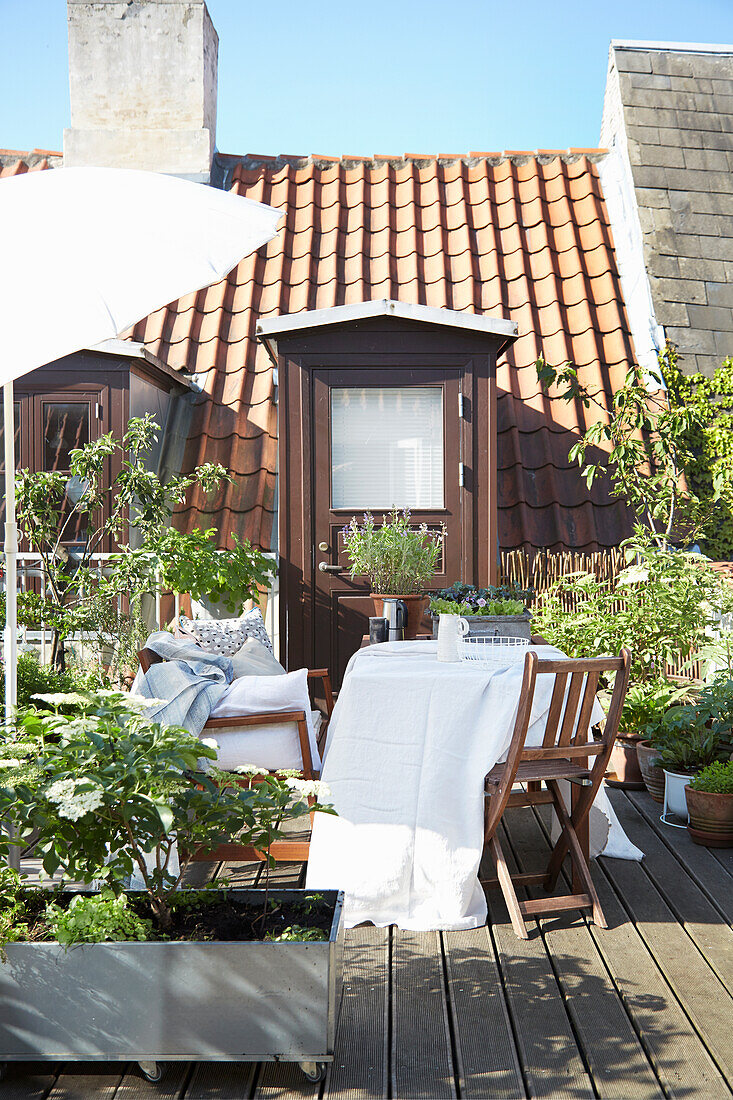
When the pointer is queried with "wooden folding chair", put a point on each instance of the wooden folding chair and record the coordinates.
(566, 753)
(287, 850)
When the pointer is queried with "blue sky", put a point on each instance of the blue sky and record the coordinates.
(416, 76)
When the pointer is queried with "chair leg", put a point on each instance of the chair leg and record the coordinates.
(507, 889)
(581, 879)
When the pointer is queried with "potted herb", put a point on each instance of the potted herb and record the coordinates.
(710, 805)
(644, 707)
(398, 558)
(496, 611)
(692, 736)
(157, 972)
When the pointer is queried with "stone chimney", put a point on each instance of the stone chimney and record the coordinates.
(143, 81)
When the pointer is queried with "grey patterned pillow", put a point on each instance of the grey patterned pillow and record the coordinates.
(227, 636)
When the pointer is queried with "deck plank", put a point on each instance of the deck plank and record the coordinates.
(28, 1080)
(422, 1063)
(676, 1051)
(486, 1052)
(360, 1070)
(693, 910)
(221, 1081)
(551, 1060)
(699, 862)
(88, 1081)
(616, 1059)
(282, 1081)
(136, 1087)
(704, 997)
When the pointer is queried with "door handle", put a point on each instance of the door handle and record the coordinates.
(326, 568)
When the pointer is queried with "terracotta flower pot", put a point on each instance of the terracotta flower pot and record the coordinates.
(711, 818)
(652, 775)
(624, 763)
(416, 605)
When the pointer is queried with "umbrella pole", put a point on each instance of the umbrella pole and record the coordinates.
(10, 646)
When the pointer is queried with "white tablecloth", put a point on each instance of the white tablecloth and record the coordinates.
(409, 743)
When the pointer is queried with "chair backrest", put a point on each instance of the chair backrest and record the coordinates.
(567, 731)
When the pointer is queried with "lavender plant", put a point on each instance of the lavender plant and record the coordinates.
(397, 557)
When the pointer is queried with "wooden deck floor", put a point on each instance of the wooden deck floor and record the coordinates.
(643, 1009)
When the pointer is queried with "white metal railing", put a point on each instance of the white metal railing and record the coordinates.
(31, 571)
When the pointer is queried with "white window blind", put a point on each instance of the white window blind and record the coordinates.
(387, 447)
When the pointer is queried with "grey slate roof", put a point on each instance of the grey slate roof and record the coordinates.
(677, 107)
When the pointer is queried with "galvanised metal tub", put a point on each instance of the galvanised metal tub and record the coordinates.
(159, 1002)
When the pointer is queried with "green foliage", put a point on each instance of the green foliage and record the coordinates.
(96, 918)
(667, 447)
(34, 678)
(647, 703)
(477, 597)
(90, 508)
(692, 735)
(716, 778)
(398, 558)
(296, 932)
(661, 606)
(14, 924)
(191, 563)
(102, 789)
(492, 607)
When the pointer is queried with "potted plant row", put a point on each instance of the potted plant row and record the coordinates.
(399, 559)
(685, 742)
(494, 611)
(644, 708)
(158, 972)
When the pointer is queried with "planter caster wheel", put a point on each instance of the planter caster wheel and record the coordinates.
(314, 1071)
(152, 1071)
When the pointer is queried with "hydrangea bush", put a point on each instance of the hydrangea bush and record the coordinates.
(108, 793)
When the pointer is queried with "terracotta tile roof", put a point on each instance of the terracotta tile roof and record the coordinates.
(13, 162)
(524, 237)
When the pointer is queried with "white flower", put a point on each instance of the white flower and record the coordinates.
(10, 762)
(211, 744)
(310, 788)
(62, 698)
(139, 702)
(249, 769)
(73, 801)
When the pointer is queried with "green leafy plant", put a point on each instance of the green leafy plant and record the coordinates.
(647, 703)
(716, 778)
(663, 606)
(189, 562)
(35, 678)
(397, 557)
(296, 932)
(108, 793)
(482, 607)
(96, 918)
(89, 508)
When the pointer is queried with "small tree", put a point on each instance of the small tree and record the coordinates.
(653, 442)
(53, 507)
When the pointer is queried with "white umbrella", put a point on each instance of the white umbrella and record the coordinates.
(87, 252)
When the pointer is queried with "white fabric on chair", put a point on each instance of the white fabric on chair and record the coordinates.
(409, 743)
(267, 746)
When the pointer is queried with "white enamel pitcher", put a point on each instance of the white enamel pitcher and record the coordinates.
(450, 629)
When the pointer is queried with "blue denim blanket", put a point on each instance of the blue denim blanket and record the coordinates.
(188, 682)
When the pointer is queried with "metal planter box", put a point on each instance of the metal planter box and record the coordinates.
(178, 1001)
(495, 626)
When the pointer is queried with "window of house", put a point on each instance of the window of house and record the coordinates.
(387, 447)
(65, 427)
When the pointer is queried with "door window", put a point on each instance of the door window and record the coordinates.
(65, 427)
(387, 447)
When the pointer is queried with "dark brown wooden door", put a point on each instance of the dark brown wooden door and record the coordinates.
(381, 438)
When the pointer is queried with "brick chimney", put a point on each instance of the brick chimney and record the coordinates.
(143, 81)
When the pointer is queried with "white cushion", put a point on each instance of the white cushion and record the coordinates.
(254, 659)
(271, 747)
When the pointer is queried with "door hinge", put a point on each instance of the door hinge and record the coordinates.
(460, 406)
(461, 481)
(98, 411)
